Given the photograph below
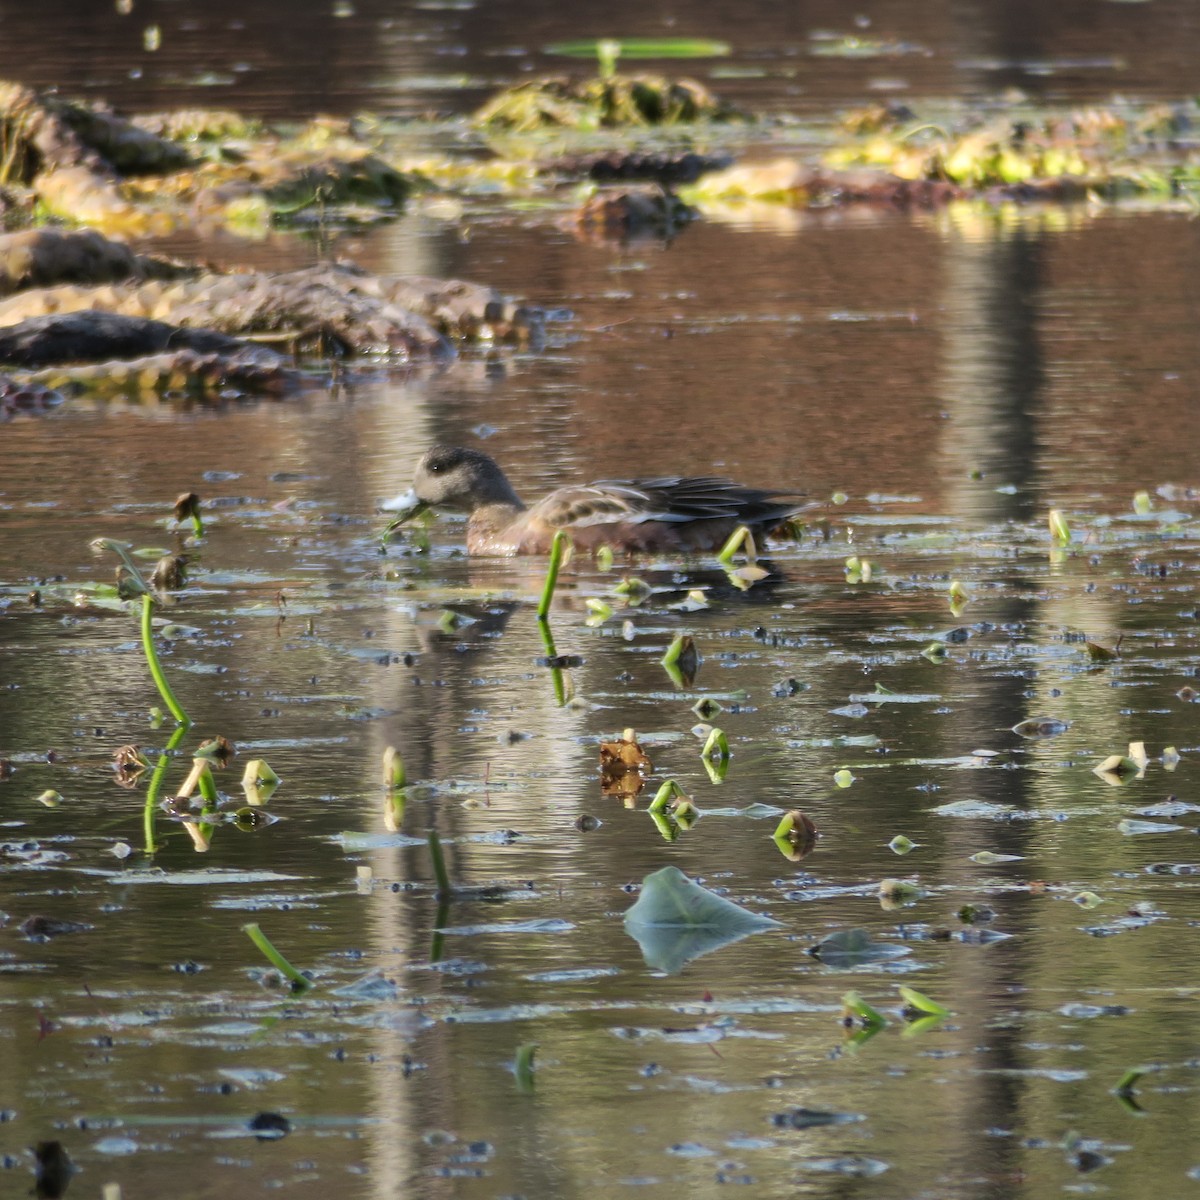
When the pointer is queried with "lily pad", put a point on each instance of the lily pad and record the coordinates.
(676, 920)
(855, 948)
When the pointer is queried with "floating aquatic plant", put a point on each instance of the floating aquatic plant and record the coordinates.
(795, 835)
(676, 920)
(523, 1066)
(1060, 530)
(669, 792)
(607, 51)
(623, 767)
(259, 781)
(682, 660)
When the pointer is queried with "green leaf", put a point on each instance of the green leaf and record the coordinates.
(922, 1003)
(676, 47)
(676, 920)
(853, 948)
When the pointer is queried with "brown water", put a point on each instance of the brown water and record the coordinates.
(956, 376)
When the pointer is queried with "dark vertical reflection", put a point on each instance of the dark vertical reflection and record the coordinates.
(992, 385)
(993, 375)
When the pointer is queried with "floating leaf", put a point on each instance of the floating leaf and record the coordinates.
(716, 747)
(1142, 504)
(671, 47)
(676, 920)
(843, 778)
(394, 775)
(898, 893)
(1170, 758)
(669, 791)
(935, 652)
(1087, 900)
(1131, 828)
(853, 1005)
(682, 660)
(694, 601)
(598, 611)
(922, 1003)
(1098, 653)
(854, 948)
(795, 835)
(1040, 727)
(1125, 1085)
(1117, 770)
(859, 570)
(986, 858)
(901, 845)
(1060, 531)
(623, 766)
(976, 914)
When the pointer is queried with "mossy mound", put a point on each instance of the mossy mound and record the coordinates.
(1108, 148)
(613, 102)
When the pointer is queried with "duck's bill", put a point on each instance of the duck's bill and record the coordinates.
(405, 506)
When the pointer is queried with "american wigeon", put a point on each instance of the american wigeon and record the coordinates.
(672, 515)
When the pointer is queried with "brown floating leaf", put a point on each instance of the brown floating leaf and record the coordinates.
(129, 763)
(623, 766)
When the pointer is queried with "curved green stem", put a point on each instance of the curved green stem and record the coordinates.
(155, 786)
(300, 981)
(557, 549)
(164, 688)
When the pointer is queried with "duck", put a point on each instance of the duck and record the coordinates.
(671, 515)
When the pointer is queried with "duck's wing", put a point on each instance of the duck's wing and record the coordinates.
(711, 498)
(671, 499)
(593, 504)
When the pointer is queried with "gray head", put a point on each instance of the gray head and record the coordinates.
(457, 478)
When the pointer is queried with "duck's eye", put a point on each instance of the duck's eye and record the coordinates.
(435, 467)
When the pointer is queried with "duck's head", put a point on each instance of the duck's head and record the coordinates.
(453, 477)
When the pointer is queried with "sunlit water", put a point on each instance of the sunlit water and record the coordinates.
(956, 377)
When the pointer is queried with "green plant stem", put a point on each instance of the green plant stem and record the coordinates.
(557, 549)
(444, 889)
(523, 1066)
(164, 688)
(437, 947)
(300, 982)
(208, 788)
(556, 672)
(155, 786)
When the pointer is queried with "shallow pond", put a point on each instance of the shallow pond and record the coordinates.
(937, 383)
